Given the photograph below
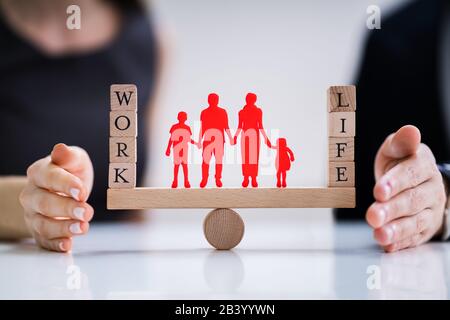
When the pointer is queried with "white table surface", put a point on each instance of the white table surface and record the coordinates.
(283, 255)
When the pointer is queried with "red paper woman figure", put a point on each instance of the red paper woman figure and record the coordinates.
(283, 161)
(180, 137)
(251, 125)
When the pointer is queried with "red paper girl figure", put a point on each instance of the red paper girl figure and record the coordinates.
(283, 162)
(180, 137)
(251, 125)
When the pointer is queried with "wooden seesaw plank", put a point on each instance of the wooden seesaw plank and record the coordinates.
(147, 198)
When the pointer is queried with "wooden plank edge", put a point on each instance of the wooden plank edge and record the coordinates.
(166, 198)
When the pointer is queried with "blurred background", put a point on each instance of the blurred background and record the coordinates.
(288, 53)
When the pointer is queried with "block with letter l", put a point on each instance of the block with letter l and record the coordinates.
(341, 99)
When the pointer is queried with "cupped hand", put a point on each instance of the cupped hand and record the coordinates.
(54, 199)
(409, 192)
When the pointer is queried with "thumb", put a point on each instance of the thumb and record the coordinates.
(74, 160)
(68, 158)
(402, 143)
(398, 145)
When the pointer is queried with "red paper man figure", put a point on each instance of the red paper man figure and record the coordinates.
(214, 123)
(180, 137)
(251, 125)
(283, 161)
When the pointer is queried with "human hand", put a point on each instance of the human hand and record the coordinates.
(54, 199)
(409, 192)
(168, 152)
(269, 144)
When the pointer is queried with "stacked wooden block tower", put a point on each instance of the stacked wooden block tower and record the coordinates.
(123, 133)
(341, 136)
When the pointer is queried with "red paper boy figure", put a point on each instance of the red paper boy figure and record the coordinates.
(283, 161)
(180, 136)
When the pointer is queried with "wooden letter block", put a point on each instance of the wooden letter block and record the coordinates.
(122, 150)
(341, 98)
(122, 175)
(341, 124)
(123, 124)
(341, 149)
(341, 174)
(123, 97)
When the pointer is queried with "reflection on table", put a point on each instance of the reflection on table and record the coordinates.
(284, 255)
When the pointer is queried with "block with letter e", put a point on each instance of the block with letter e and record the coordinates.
(341, 174)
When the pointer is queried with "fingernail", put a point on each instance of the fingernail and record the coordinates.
(78, 212)
(382, 215)
(387, 189)
(75, 228)
(75, 193)
(389, 234)
(61, 246)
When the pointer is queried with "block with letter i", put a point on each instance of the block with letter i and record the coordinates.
(341, 102)
(123, 133)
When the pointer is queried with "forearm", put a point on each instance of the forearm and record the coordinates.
(238, 132)
(444, 231)
(291, 154)
(169, 144)
(230, 136)
(12, 223)
(263, 132)
(200, 135)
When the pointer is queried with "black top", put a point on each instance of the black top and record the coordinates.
(398, 84)
(45, 100)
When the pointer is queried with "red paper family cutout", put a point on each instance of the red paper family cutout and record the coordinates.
(214, 126)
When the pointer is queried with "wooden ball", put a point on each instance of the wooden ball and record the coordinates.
(223, 228)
